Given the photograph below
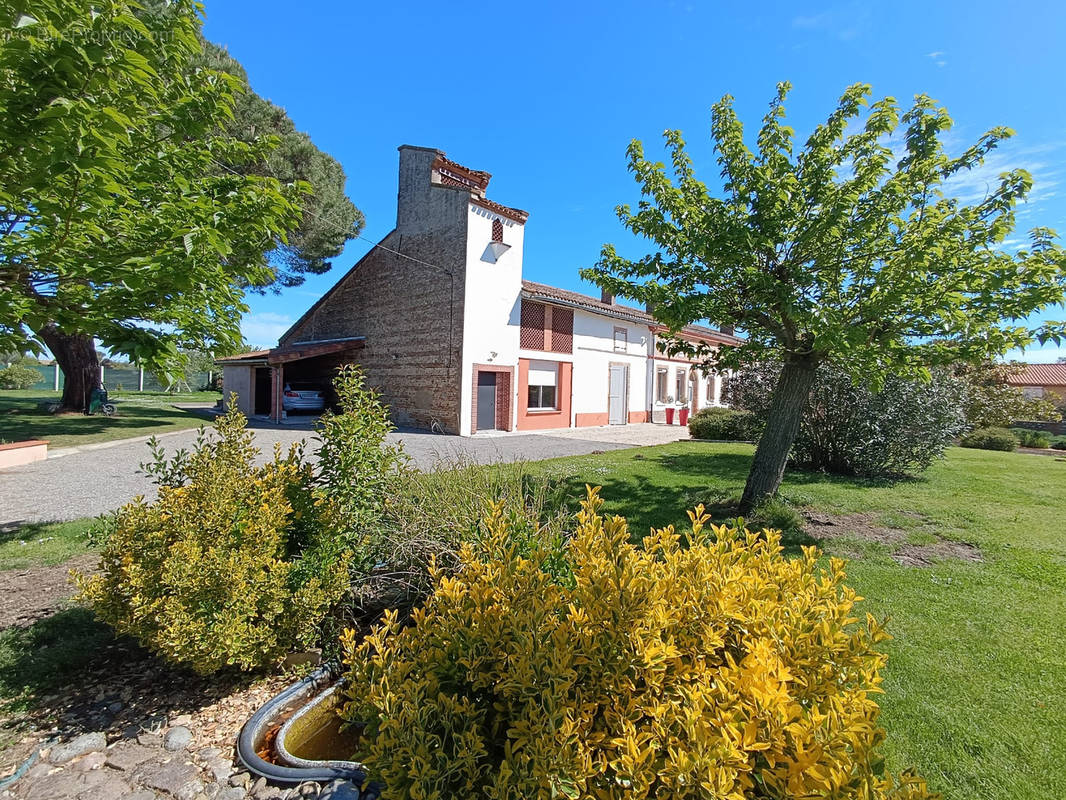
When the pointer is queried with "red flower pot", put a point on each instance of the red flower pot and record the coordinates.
(669, 416)
(684, 416)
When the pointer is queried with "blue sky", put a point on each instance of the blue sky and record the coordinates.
(546, 96)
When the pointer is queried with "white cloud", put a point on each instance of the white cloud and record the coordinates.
(265, 327)
(846, 22)
(938, 58)
(974, 185)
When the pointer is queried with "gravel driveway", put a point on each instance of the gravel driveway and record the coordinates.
(98, 478)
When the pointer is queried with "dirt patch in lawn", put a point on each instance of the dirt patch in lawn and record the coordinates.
(865, 527)
(34, 593)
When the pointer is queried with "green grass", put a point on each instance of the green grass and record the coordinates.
(139, 414)
(43, 544)
(975, 680)
(48, 655)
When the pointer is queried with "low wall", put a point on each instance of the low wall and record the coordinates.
(16, 454)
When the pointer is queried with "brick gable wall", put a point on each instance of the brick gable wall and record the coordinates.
(412, 317)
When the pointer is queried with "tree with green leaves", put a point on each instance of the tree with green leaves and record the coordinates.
(130, 210)
(992, 402)
(843, 252)
(328, 219)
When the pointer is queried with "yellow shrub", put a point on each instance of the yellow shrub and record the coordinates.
(709, 667)
(226, 568)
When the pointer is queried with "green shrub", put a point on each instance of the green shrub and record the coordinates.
(1059, 443)
(853, 429)
(724, 424)
(18, 376)
(990, 439)
(1029, 438)
(697, 665)
(236, 565)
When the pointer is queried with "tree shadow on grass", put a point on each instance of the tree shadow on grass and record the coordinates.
(647, 505)
(71, 671)
(27, 531)
(18, 425)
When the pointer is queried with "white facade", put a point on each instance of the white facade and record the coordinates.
(491, 301)
(550, 385)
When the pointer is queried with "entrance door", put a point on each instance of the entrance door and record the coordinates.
(617, 408)
(694, 392)
(486, 401)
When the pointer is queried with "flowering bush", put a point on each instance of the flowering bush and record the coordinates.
(850, 429)
(692, 666)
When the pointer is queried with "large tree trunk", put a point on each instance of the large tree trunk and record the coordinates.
(76, 355)
(782, 424)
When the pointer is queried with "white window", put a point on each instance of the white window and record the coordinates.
(682, 385)
(711, 380)
(1033, 392)
(621, 339)
(543, 385)
(662, 377)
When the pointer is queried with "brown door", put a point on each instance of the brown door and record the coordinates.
(693, 395)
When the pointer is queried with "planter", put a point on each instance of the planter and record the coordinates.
(16, 454)
(669, 416)
(299, 733)
(684, 416)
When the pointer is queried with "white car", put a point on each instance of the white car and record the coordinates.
(301, 397)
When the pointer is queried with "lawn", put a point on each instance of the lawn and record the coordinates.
(974, 693)
(974, 684)
(139, 414)
(43, 544)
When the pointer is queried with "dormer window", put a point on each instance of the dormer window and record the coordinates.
(497, 230)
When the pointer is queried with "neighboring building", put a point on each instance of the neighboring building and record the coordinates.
(1042, 380)
(445, 328)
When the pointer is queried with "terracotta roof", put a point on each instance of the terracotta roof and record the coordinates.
(458, 175)
(1040, 375)
(626, 312)
(517, 214)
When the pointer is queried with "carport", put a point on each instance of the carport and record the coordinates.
(258, 378)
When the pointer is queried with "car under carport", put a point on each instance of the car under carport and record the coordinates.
(258, 378)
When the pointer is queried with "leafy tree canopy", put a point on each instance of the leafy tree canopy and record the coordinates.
(329, 219)
(117, 220)
(842, 250)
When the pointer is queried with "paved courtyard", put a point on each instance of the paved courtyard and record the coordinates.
(98, 478)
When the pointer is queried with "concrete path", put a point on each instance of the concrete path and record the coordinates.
(93, 479)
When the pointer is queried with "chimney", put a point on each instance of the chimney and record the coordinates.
(726, 329)
(606, 297)
(650, 307)
(413, 205)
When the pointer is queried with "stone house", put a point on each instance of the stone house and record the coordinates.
(443, 324)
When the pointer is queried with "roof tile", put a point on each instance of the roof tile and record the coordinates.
(1040, 375)
(638, 314)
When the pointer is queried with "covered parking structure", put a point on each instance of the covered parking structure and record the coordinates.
(258, 378)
